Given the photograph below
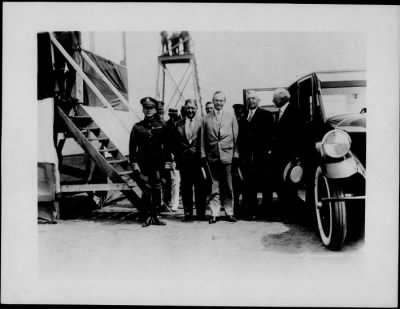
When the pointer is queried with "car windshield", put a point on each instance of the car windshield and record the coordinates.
(344, 100)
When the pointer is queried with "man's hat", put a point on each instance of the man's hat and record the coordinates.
(148, 102)
(172, 111)
(160, 104)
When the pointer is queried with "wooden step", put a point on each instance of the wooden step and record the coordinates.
(88, 129)
(99, 139)
(80, 120)
(78, 117)
(125, 173)
(117, 161)
(108, 150)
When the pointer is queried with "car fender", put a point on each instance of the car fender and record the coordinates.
(340, 169)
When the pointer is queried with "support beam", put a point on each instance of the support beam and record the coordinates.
(94, 187)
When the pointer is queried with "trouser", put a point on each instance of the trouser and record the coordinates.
(238, 186)
(171, 180)
(175, 182)
(287, 192)
(65, 80)
(221, 190)
(257, 179)
(191, 179)
(152, 193)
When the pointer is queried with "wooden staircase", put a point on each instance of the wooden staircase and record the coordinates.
(103, 152)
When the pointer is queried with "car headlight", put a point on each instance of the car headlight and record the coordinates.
(336, 143)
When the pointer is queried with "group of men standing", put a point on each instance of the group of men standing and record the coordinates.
(176, 43)
(208, 151)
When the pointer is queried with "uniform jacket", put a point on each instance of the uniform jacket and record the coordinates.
(186, 152)
(219, 140)
(147, 144)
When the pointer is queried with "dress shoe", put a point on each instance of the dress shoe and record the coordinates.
(212, 220)
(147, 222)
(157, 221)
(153, 220)
(201, 218)
(231, 219)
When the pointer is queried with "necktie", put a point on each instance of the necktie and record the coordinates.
(250, 116)
(280, 114)
(190, 131)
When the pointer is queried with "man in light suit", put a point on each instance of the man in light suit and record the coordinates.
(186, 149)
(219, 150)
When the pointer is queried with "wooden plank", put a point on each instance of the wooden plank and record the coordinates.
(175, 59)
(117, 161)
(108, 150)
(94, 187)
(98, 139)
(124, 173)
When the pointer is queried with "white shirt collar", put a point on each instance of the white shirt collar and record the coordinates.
(218, 114)
(252, 111)
(187, 120)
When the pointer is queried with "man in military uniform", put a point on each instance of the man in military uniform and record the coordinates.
(148, 157)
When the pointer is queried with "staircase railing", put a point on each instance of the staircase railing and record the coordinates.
(87, 80)
(108, 83)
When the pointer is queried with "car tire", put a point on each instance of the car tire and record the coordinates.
(331, 217)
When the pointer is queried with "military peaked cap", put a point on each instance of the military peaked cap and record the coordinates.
(148, 102)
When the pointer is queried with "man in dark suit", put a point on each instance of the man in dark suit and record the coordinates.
(286, 147)
(219, 149)
(187, 157)
(255, 142)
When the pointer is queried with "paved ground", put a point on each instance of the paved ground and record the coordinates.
(190, 255)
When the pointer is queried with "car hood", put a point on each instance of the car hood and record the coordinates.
(349, 122)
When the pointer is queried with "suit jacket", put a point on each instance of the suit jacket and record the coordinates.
(187, 152)
(255, 137)
(288, 135)
(219, 140)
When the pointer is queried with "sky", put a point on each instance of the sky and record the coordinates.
(233, 61)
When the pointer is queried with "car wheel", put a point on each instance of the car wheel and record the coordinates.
(331, 217)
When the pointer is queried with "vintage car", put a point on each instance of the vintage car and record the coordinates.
(330, 173)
